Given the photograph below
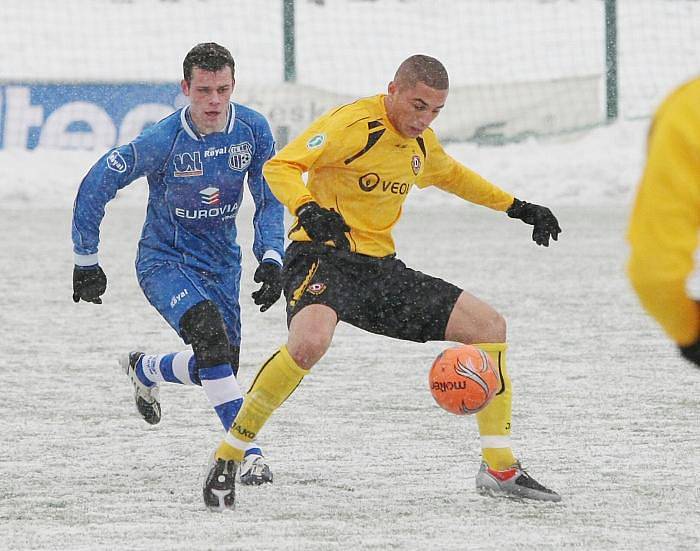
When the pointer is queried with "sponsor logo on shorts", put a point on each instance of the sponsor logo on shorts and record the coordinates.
(316, 288)
(177, 298)
(316, 141)
(116, 162)
(187, 165)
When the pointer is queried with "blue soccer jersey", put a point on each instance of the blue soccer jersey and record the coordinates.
(195, 189)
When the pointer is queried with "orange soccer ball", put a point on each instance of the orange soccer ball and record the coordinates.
(463, 380)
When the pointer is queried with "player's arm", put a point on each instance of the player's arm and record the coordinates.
(268, 220)
(452, 176)
(100, 185)
(664, 224)
(109, 174)
(115, 170)
(321, 142)
(284, 171)
(268, 223)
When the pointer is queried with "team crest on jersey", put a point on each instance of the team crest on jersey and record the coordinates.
(316, 288)
(239, 156)
(316, 141)
(415, 164)
(188, 164)
(116, 162)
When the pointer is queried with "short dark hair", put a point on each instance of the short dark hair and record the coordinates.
(208, 56)
(425, 69)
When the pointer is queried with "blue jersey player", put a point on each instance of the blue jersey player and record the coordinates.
(188, 263)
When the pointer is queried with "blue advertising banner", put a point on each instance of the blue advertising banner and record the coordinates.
(81, 116)
(100, 116)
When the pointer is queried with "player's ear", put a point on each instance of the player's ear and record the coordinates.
(392, 88)
(185, 87)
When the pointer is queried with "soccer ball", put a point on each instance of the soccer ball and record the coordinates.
(463, 380)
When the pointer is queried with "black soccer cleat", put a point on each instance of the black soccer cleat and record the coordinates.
(146, 397)
(220, 485)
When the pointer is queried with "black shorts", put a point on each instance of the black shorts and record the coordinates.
(380, 295)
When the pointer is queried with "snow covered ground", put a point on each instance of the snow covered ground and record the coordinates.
(604, 410)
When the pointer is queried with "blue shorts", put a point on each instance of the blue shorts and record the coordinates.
(173, 289)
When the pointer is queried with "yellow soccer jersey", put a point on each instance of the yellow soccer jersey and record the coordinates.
(666, 216)
(361, 167)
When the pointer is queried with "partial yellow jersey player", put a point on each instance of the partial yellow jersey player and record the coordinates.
(663, 229)
(362, 160)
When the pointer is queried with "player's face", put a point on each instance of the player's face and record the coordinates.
(412, 109)
(209, 94)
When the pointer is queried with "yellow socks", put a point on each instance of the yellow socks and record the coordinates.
(273, 384)
(494, 420)
(280, 376)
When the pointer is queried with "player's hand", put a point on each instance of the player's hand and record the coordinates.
(89, 283)
(269, 273)
(544, 222)
(323, 224)
(691, 352)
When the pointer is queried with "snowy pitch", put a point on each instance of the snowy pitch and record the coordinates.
(605, 412)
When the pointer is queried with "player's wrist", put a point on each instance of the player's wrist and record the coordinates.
(272, 256)
(85, 260)
(299, 202)
(515, 210)
(308, 207)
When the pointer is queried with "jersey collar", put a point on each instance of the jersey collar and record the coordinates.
(189, 126)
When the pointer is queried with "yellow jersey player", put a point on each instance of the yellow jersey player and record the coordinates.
(663, 230)
(362, 159)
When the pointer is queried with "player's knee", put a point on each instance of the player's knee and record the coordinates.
(203, 327)
(309, 349)
(492, 328)
(474, 321)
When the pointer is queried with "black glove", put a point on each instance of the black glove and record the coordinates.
(691, 352)
(270, 275)
(323, 224)
(545, 222)
(89, 283)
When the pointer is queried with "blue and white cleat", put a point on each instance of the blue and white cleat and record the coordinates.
(254, 470)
